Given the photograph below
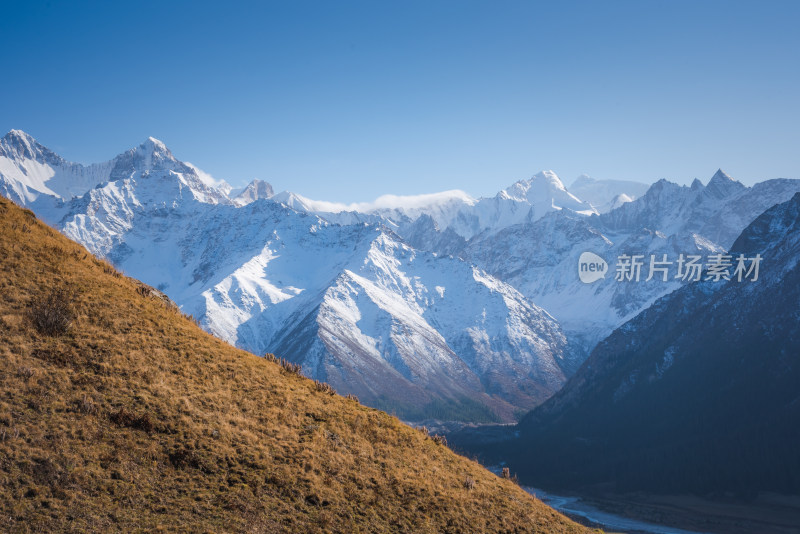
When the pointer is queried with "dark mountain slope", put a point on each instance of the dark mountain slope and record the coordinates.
(699, 393)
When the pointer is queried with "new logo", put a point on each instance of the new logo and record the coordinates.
(591, 267)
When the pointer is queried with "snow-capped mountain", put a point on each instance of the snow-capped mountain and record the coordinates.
(672, 208)
(540, 258)
(524, 201)
(409, 331)
(29, 170)
(406, 324)
(605, 195)
(255, 190)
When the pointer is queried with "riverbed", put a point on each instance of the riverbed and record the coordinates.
(576, 507)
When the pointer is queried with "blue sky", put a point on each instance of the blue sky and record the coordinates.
(345, 101)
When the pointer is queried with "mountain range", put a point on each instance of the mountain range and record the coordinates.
(440, 306)
(406, 330)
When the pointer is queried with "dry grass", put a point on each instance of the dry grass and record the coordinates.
(132, 419)
(51, 313)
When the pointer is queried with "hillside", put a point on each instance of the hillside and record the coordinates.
(117, 413)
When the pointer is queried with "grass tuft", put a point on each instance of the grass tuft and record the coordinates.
(126, 418)
(52, 312)
(440, 440)
(324, 387)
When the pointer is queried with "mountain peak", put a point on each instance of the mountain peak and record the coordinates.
(723, 185)
(550, 177)
(543, 183)
(17, 144)
(20, 141)
(151, 145)
(662, 184)
(255, 190)
(544, 192)
(19, 135)
(721, 175)
(150, 155)
(153, 151)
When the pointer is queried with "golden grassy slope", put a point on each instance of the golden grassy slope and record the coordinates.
(136, 420)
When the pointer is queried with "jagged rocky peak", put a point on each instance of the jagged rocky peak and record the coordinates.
(721, 175)
(255, 190)
(20, 145)
(155, 146)
(722, 185)
(19, 138)
(17, 144)
(661, 184)
(151, 155)
(152, 152)
(544, 180)
(663, 189)
(545, 192)
(549, 177)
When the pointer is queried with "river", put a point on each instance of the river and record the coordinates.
(576, 507)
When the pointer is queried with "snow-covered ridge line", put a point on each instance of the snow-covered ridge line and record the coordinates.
(431, 303)
(449, 208)
(406, 330)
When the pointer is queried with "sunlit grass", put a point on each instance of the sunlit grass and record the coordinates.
(131, 418)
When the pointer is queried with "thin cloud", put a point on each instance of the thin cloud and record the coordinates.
(388, 202)
(207, 178)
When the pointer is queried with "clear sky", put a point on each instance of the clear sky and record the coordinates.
(345, 101)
